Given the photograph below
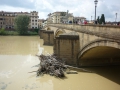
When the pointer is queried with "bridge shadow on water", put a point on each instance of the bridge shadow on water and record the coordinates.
(110, 72)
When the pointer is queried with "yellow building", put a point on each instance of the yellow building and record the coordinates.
(7, 19)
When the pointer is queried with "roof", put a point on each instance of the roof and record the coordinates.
(80, 17)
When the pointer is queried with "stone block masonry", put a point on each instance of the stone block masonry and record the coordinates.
(66, 46)
(48, 37)
(41, 33)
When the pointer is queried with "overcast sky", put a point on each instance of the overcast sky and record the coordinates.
(82, 8)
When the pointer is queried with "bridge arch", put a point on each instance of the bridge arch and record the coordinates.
(59, 31)
(100, 49)
(47, 27)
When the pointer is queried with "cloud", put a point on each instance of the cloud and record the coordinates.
(18, 3)
(13, 9)
(84, 8)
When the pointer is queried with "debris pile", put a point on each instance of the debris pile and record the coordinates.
(52, 65)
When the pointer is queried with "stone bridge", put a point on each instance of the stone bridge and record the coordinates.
(84, 45)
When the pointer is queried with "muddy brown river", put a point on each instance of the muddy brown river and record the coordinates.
(17, 58)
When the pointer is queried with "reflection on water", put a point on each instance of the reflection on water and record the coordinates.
(17, 58)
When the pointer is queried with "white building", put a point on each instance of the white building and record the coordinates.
(60, 17)
(34, 19)
(79, 20)
(40, 23)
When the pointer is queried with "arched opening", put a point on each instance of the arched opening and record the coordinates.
(100, 55)
(99, 52)
(59, 31)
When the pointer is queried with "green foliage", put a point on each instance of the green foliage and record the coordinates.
(36, 30)
(11, 33)
(32, 33)
(102, 19)
(21, 24)
(98, 19)
(2, 31)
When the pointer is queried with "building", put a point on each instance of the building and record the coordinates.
(34, 19)
(45, 23)
(60, 17)
(7, 19)
(79, 20)
(40, 23)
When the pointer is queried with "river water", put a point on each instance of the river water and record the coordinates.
(17, 58)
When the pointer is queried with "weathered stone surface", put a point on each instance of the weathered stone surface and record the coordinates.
(48, 37)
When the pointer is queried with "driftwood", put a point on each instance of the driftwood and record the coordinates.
(52, 65)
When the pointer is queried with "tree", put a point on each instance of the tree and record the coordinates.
(98, 20)
(102, 20)
(21, 23)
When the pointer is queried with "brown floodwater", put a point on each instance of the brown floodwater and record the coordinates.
(17, 58)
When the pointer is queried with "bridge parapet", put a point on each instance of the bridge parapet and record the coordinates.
(104, 31)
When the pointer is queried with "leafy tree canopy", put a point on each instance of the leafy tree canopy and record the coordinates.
(102, 19)
(21, 23)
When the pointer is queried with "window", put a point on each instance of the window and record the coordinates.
(36, 20)
(35, 23)
(32, 23)
(32, 20)
(32, 27)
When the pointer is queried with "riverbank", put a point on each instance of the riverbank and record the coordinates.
(15, 33)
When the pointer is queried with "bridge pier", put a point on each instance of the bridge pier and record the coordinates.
(66, 46)
(48, 37)
(41, 33)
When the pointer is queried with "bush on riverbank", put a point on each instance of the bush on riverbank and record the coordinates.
(15, 33)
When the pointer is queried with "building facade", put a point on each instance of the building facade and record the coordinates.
(60, 17)
(79, 20)
(7, 19)
(40, 23)
(34, 19)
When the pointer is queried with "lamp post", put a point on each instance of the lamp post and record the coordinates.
(91, 18)
(96, 1)
(115, 17)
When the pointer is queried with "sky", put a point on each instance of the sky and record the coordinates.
(79, 8)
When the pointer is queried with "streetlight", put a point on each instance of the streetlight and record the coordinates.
(116, 17)
(91, 18)
(96, 1)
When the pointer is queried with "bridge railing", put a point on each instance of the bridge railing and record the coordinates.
(105, 31)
